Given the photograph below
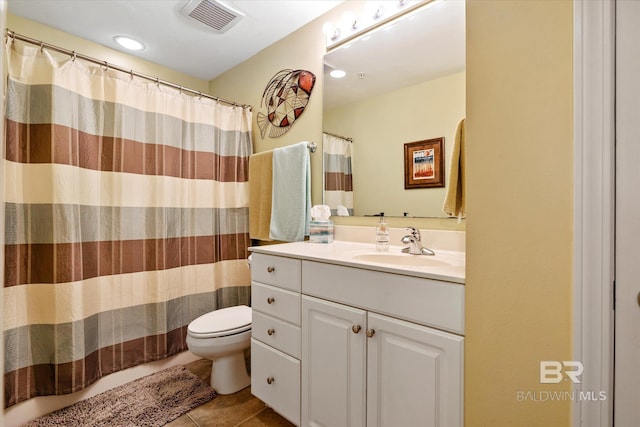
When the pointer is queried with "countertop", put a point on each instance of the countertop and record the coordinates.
(448, 266)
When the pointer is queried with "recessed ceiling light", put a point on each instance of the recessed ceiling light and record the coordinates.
(128, 43)
(337, 74)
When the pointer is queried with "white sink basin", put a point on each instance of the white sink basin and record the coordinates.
(404, 259)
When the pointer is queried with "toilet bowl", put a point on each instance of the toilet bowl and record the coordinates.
(222, 336)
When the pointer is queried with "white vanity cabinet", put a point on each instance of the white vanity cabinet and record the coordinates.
(369, 347)
(365, 369)
(275, 333)
(335, 364)
(414, 374)
(364, 366)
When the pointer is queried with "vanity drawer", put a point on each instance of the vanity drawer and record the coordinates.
(276, 302)
(275, 379)
(276, 271)
(276, 333)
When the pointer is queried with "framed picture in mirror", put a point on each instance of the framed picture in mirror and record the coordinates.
(424, 164)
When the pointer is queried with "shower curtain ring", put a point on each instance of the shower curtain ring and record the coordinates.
(199, 95)
(73, 55)
(41, 46)
(131, 74)
(106, 66)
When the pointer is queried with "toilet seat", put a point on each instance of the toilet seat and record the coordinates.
(220, 323)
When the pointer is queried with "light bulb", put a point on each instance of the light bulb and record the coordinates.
(350, 20)
(128, 43)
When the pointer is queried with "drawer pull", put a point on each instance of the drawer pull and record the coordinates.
(271, 300)
(271, 331)
(356, 328)
(270, 380)
(271, 269)
(371, 332)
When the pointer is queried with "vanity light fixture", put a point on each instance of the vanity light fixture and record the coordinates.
(379, 12)
(129, 43)
(337, 74)
(350, 21)
(373, 15)
(330, 31)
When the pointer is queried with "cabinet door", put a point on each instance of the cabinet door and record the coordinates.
(333, 364)
(415, 375)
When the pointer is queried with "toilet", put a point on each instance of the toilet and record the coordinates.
(223, 336)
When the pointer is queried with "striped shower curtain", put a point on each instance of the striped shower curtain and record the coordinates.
(338, 176)
(126, 215)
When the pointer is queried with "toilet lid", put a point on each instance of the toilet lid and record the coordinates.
(226, 321)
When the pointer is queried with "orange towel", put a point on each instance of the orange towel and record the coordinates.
(454, 202)
(260, 190)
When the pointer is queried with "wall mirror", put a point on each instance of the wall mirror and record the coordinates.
(404, 82)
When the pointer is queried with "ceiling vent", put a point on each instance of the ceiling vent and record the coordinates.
(213, 15)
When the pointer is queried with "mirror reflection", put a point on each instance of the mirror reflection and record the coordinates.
(404, 82)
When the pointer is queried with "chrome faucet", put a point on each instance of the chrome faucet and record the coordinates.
(415, 246)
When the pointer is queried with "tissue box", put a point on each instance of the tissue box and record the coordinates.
(321, 231)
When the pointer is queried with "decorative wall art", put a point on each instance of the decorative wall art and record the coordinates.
(285, 98)
(424, 164)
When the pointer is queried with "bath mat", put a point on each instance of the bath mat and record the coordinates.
(153, 400)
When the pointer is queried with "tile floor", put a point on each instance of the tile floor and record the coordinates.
(240, 409)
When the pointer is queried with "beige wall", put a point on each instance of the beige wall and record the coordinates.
(59, 38)
(519, 227)
(430, 109)
(519, 231)
(246, 82)
(301, 50)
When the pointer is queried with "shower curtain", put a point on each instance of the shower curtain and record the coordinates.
(126, 207)
(338, 176)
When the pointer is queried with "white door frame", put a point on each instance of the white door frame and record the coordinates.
(594, 187)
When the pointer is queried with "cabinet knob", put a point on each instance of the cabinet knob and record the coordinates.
(371, 332)
(270, 380)
(271, 300)
(271, 331)
(356, 328)
(271, 269)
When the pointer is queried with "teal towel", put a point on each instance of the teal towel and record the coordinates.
(291, 193)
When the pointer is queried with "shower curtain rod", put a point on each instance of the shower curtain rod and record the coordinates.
(339, 136)
(72, 53)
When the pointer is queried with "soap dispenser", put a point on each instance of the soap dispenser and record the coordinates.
(382, 235)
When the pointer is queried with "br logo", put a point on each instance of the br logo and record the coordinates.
(553, 371)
